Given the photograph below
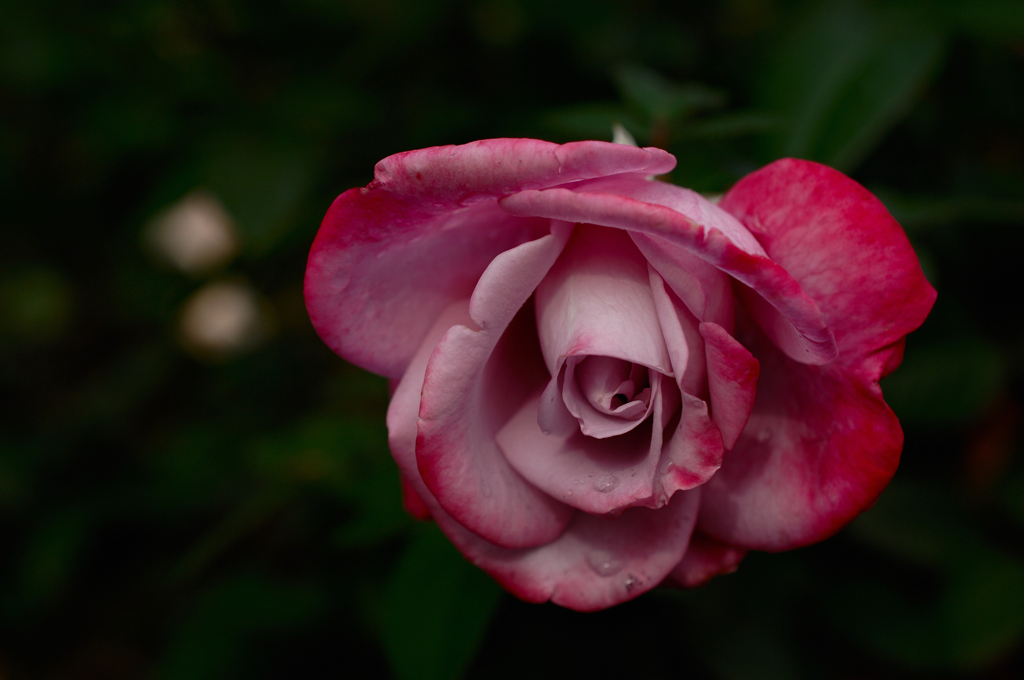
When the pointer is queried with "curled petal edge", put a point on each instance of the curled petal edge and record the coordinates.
(789, 315)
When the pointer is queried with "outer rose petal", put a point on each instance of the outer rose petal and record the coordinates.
(412, 503)
(842, 245)
(454, 176)
(818, 449)
(597, 562)
(373, 281)
(706, 558)
(821, 443)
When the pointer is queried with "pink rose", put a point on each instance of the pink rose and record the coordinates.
(605, 381)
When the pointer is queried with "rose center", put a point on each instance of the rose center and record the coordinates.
(615, 387)
(607, 396)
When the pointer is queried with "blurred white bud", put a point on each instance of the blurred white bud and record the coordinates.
(196, 235)
(621, 135)
(223, 319)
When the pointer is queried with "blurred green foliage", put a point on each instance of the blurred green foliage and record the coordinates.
(181, 505)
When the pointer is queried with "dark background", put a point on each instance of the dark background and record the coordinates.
(176, 508)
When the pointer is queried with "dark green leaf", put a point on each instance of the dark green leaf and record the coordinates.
(661, 99)
(436, 610)
(844, 77)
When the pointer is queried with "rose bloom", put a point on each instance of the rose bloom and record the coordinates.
(603, 382)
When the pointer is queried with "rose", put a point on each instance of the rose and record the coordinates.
(606, 381)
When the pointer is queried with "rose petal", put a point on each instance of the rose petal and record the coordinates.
(374, 281)
(684, 201)
(597, 562)
(821, 444)
(693, 454)
(412, 503)
(613, 386)
(791, 317)
(682, 338)
(472, 385)
(842, 245)
(705, 289)
(582, 378)
(453, 176)
(552, 415)
(706, 558)
(732, 381)
(596, 300)
(693, 451)
(819, 447)
(598, 476)
(636, 469)
(404, 407)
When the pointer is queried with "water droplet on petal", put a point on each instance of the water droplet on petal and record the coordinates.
(606, 483)
(764, 435)
(605, 563)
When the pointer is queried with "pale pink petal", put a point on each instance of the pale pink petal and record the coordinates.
(598, 476)
(682, 338)
(597, 563)
(693, 450)
(552, 415)
(639, 469)
(404, 407)
(388, 259)
(705, 289)
(596, 300)
(732, 381)
(706, 558)
(790, 316)
(474, 382)
(606, 400)
(613, 386)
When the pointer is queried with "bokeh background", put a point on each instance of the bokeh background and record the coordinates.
(192, 486)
